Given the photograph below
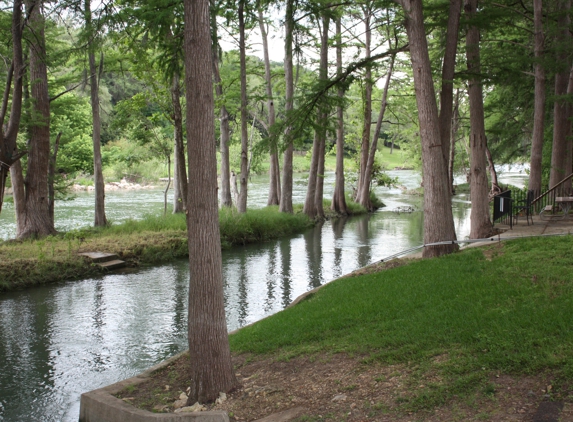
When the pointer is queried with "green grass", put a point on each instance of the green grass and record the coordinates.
(510, 314)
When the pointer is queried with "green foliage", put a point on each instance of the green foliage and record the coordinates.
(258, 225)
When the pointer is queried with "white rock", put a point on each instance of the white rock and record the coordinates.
(222, 398)
(340, 397)
(197, 407)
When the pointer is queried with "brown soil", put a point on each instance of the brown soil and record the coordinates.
(338, 387)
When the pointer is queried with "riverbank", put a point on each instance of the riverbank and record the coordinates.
(153, 240)
(482, 334)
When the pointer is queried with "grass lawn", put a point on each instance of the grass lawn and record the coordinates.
(470, 336)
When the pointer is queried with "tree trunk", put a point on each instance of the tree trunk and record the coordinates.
(18, 194)
(225, 131)
(339, 196)
(167, 186)
(448, 71)
(569, 141)
(287, 179)
(177, 197)
(36, 221)
(180, 172)
(211, 366)
(9, 132)
(367, 105)
(51, 178)
(313, 206)
(364, 193)
(535, 169)
(274, 170)
(100, 218)
(480, 226)
(495, 189)
(453, 134)
(438, 217)
(560, 109)
(244, 176)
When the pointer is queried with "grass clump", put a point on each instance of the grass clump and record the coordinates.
(455, 319)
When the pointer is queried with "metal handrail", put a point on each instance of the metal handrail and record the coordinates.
(543, 195)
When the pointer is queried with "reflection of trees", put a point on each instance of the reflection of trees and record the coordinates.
(98, 311)
(313, 244)
(271, 277)
(180, 298)
(242, 287)
(363, 252)
(285, 249)
(25, 352)
(338, 225)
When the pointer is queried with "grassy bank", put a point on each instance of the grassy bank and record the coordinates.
(483, 334)
(152, 240)
(453, 321)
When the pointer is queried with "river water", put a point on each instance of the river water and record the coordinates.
(60, 340)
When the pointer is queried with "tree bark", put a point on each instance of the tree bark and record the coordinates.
(274, 170)
(480, 223)
(210, 356)
(453, 134)
(52, 176)
(100, 219)
(180, 172)
(287, 179)
(560, 109)
(364, 194)
(438, 217)
(244, 176)
(224, 129)
(448, 71)
(539, 102)
(366, 104)
(9, 132)
(313, 205)
(36, 220)
(339, 196)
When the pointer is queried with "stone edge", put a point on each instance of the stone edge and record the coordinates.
(101, 406)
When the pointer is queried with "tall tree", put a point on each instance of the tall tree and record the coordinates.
(180, 173)
(9, 131)
(480, 221)
(366, 99)
(535, 168)
(93, 78)
(448, 71)
(274, 169)
(244, 176)
(224, 128)
(339, 196)
(287, 179)
(438, 217)
(364, 193)
(313, 206)
(33, 210)
(210, 356)
(560, 108)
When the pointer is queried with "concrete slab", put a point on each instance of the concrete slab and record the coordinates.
(112, 265)
(99, 256)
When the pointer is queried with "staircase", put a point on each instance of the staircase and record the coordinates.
(105, 260)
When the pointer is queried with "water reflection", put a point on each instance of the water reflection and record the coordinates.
(60, 340)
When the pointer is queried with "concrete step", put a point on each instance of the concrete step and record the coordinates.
(112, 265)
(99, 256)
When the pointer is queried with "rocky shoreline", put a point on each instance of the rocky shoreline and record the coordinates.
(123, 184)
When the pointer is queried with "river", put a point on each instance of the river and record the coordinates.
(60, 340)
